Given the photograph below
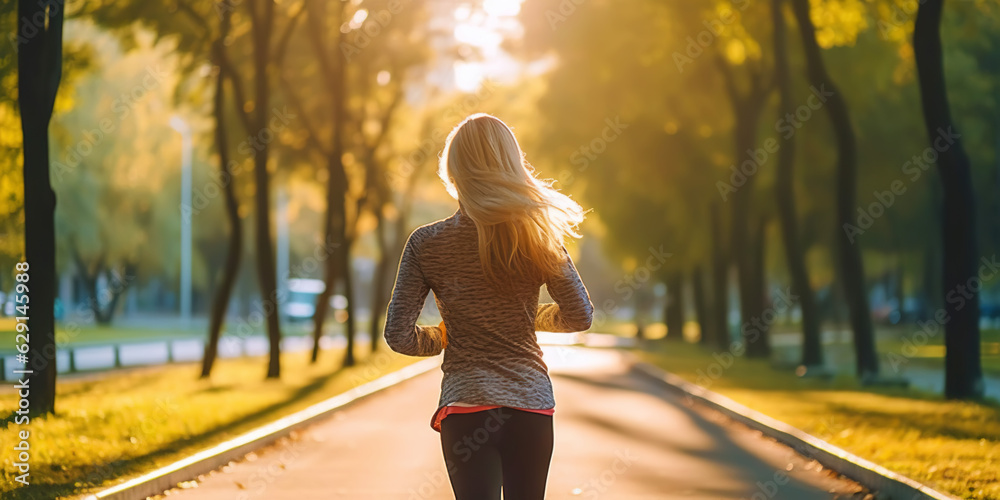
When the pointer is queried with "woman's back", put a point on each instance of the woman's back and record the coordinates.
(492, 356)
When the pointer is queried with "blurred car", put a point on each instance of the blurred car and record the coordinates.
(990, 310)
(989, 313)
(914, 309)
(301, 302)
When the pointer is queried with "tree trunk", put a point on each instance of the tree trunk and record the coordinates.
(900, 291)
(323, 304)
(812, 349)
(220, 302)
(674, 310)
(743, 245)
(757, 329)
(751, 293)
(261, 23)
(336, 218)
(379, 283)
(701, 307)
(963, 369)
(39, 70)
(720, 283)
(851, 266)
(333, 207)
(350, 327)
(104, 316)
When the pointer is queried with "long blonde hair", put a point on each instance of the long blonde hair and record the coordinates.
(522, 221)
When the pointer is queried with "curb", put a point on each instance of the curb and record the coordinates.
(884, 482)
(165, 478)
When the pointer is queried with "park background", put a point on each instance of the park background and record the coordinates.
(769, 220)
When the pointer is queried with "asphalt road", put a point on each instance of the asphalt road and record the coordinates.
(618, 436)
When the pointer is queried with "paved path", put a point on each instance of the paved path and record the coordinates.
(619, 436)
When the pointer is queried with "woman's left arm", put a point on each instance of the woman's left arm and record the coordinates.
(408, 296)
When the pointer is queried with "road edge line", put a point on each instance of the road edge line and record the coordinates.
(884, 482)
(187, 469)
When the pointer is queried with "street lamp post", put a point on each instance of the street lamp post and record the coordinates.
(181, 126)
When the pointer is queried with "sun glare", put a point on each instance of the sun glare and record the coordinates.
(483, 26)
(500, 8)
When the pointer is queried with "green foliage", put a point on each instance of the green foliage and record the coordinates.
(654, 66)
(77, 59)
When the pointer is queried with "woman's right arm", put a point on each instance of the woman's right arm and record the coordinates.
(408, 296)
(572, 310)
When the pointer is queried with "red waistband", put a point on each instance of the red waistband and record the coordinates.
(444, 411)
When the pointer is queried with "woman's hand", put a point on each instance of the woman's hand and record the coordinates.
(444, 335)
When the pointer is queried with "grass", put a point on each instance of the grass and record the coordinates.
(950, 445)
(925, 351)
(134, 421)
(98, 335)
(930, 352)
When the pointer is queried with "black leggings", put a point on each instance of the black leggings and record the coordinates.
(487, 449)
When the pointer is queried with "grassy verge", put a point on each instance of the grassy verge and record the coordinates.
(953, 446)
(931, 351)
(95, 334)
(921, 350)
(134, 421)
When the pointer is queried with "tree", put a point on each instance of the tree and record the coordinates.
(719, 315)
(220, 302)
(39, 70)
(262, 22)
(706, 337)
(333, 72)
(747, 106)
(851, 266)
(196, 36)
(812, 353)
(963, 369)
(360, 78)
(379, 197)
(674, 309)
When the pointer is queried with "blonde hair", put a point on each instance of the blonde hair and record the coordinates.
(522, 221)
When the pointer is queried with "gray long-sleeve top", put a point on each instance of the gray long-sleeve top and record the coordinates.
(493, 357)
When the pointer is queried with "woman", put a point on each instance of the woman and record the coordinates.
(485, 265)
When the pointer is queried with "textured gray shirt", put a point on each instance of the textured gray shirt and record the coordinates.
(493, 357)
